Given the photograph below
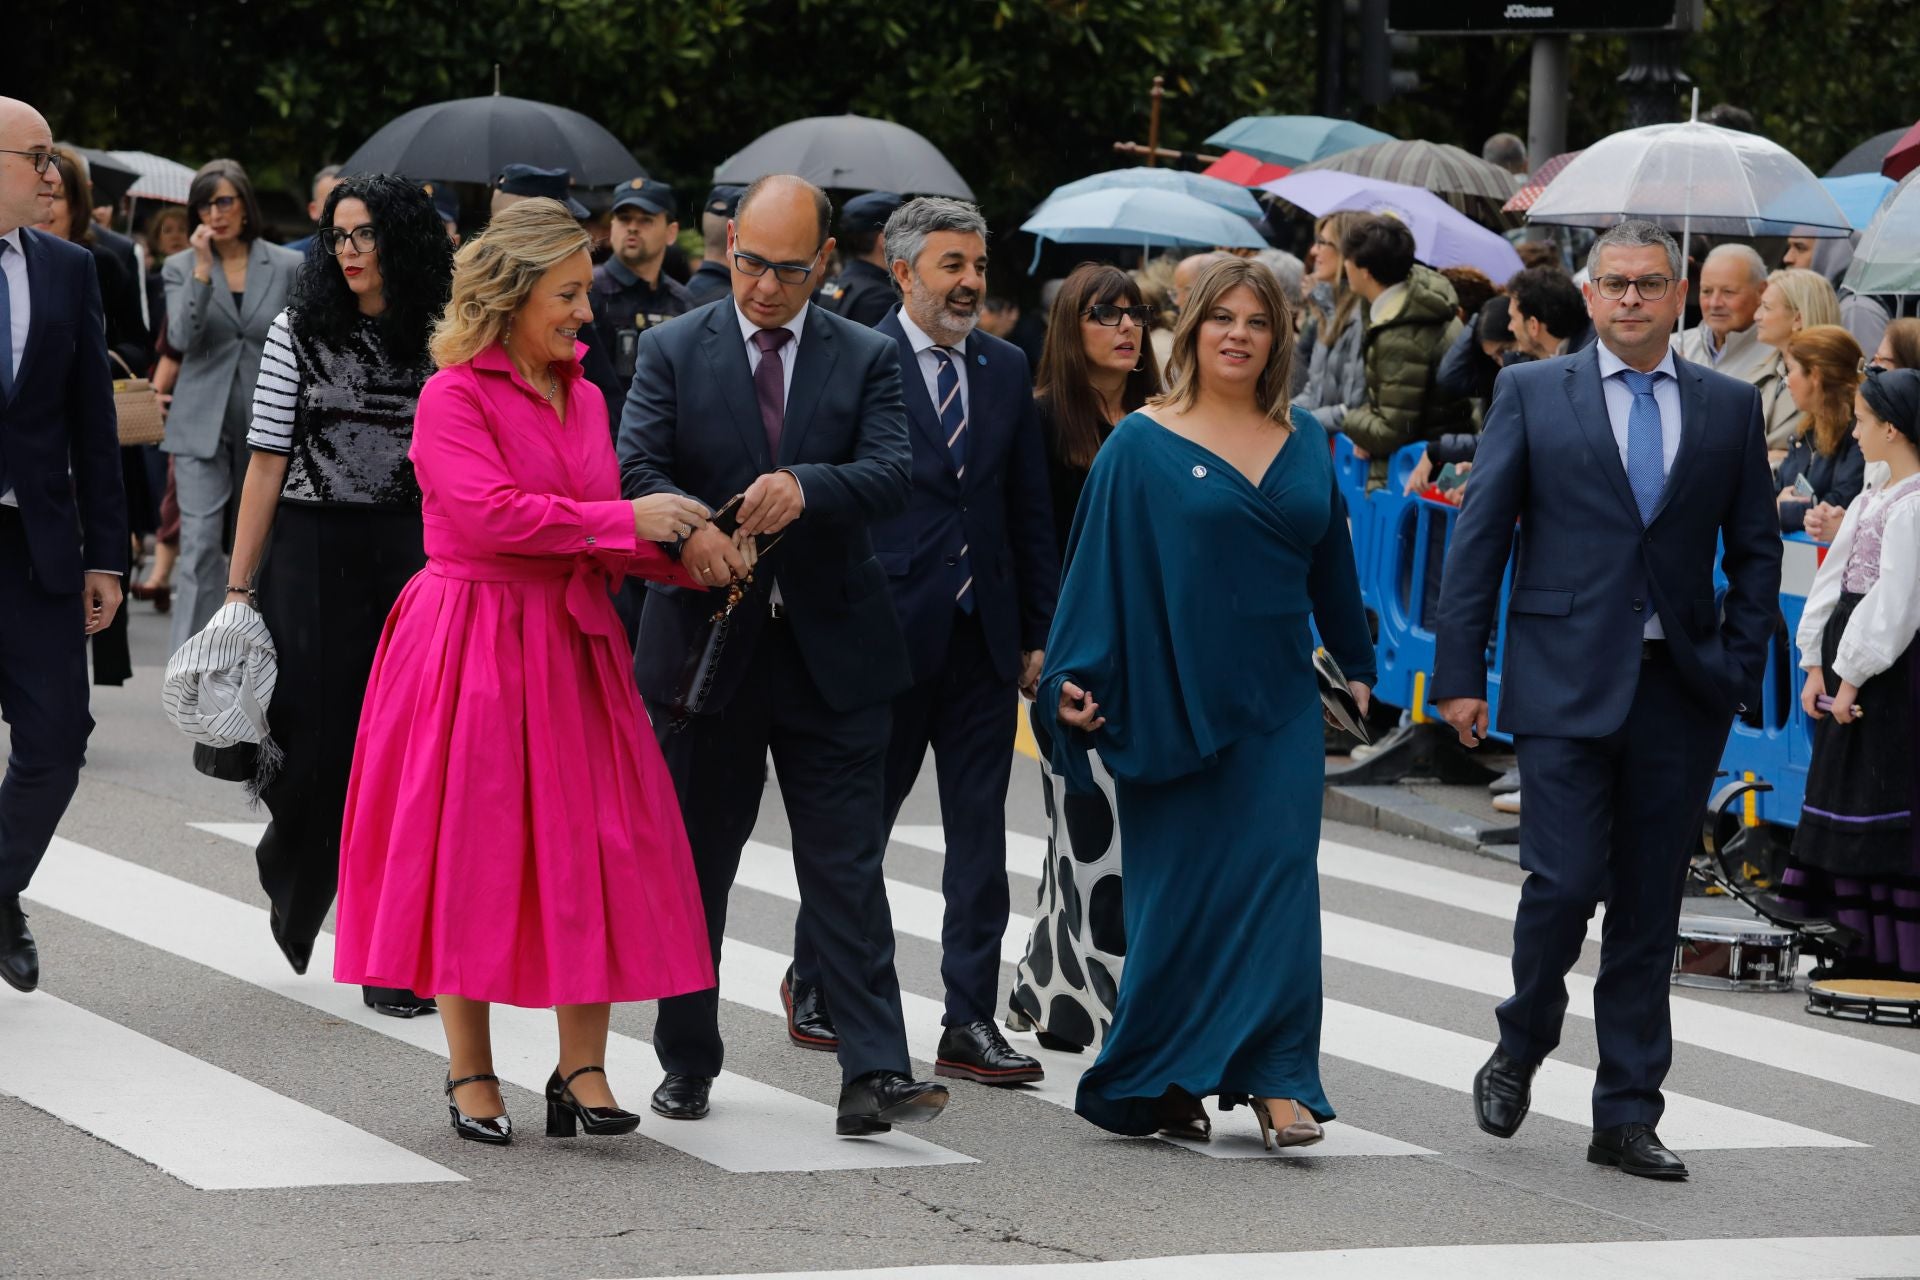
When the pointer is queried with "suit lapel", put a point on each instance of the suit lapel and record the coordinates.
(815, 364)
(913, 388)
(727, 357)
(1589, 402)
(260, 272)
(39, 302)
(1693, 417)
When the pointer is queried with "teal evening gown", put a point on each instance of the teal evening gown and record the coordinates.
(1187, 611)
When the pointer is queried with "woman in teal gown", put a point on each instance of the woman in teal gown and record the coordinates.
(1209, 542)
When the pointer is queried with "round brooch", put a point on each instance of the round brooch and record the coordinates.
(1199, 473)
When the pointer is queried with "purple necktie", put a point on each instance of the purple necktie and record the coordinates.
(769, 385)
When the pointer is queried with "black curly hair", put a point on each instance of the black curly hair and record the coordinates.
(416, 268)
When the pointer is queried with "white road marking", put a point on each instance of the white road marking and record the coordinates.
(1786, 1258)
(754, 1127)
(1398, 1045)
(207, 1127)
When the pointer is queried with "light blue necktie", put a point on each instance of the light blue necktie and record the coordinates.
(1646, 465)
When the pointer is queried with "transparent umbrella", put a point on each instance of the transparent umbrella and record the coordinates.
(1692, 177)
(1887, 259)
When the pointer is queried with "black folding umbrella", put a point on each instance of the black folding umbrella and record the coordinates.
(1866, 157)
(472, 139)
(111, 178)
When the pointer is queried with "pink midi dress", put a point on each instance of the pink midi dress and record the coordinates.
(511, 830)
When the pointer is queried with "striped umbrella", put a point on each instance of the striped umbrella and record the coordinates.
(1465, 181)
(158, 177)
(1523, 198)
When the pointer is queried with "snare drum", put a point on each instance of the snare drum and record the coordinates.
(1735, 955)
(1866, 1000)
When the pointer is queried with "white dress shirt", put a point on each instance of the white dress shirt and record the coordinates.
(789, 354)
(1884, 623)
(923, 352)
(1666, 394)
(13, 260)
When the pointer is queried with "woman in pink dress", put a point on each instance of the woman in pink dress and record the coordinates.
(511, 831)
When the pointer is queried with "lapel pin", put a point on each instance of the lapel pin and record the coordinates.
(982, 360)
(1199, 473)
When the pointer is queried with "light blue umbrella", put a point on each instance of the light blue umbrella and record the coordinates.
(1859, 195)
(1295, 140)
(1139, 216)
(1442, 235)
(1230, 196)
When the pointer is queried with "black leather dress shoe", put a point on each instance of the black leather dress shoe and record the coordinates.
(19, 958)
(1502, 1092)
(1636, 1149)
(809, 1025)
(682, 1097)
(879, 1100)
(978, 1052)
(397, 1002)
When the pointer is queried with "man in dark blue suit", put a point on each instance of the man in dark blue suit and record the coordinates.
(1624, 467)
(974, 573)
(63, 515)
(765, 396)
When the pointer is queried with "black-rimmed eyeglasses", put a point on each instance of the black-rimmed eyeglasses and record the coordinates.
(755, 266)
(365, 239)
(1106, 313)
(41, 159)
(1650, 288)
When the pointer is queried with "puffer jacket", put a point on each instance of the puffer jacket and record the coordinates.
(1402, 355)
(1336, 376)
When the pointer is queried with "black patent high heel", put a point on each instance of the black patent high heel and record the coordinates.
(495, 1131)
(565, 1112)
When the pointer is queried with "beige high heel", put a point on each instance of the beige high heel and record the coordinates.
(1304, 1131)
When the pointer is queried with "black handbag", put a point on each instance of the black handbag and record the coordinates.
(237, 763)
(695, 683)
(1343, 710)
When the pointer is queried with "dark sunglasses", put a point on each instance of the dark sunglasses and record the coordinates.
(1106, 313)
(365, 239)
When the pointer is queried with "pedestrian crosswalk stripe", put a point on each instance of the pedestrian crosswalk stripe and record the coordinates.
(1781, 1258)
(762, 1129)
(1429, 883)
(207, 1127)
(1383, 1041)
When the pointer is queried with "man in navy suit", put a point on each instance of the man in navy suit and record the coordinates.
(1623, 466)
(63, 515)
(763, 395)
(974, 572)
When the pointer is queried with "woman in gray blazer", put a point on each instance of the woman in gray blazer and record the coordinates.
(222, 295)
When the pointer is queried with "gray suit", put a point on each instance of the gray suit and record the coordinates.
(220, 346)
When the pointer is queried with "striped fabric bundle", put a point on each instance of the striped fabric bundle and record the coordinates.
(219, 684)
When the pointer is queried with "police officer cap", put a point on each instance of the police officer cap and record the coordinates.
(644, 193)
(869, 212)
(527, 180)
(724, 200)
(446, 202)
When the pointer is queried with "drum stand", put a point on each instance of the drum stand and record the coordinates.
(1719, 864)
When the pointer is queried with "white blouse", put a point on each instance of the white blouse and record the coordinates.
(1884, 623)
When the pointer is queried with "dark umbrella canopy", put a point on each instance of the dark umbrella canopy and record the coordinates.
(851, 153)
(111, 178)
(472, 139)
(1866, 157)
(1463, 180)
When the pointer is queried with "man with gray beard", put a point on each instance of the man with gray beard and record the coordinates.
(974, 573)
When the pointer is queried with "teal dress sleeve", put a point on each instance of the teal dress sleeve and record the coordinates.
(1333, 581)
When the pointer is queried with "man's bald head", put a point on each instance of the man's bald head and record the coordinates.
(784, 199)
(1188, 269)
(25, 196)
(779, 228)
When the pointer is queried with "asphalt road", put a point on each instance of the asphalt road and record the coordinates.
(174, 1101)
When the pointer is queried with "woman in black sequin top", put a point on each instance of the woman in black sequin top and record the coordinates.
(329, 527)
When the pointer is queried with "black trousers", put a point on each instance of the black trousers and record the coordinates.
(964, 712)
(328, 580)
(831, 769)
(1613, 819)
(43, 698)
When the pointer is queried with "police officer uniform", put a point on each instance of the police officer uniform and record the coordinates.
(714, 278)
(862, 292)
(531, 180)
(624, 305)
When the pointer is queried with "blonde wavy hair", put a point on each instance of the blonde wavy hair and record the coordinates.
(1215, 282)
(494, 273)
(1808, 295)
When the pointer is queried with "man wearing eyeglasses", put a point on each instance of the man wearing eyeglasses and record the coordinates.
(796, 411)
(974, 573)
(63, 516)
(1623, 467)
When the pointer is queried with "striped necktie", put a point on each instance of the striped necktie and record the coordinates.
(953, 421)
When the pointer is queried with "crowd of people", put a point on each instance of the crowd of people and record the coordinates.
(552, 555)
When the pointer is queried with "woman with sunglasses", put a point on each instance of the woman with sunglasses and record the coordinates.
(329, 528)
(1096, 368)
(223, 292)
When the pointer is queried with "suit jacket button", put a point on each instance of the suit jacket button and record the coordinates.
(1639, 606)
(952, 561)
